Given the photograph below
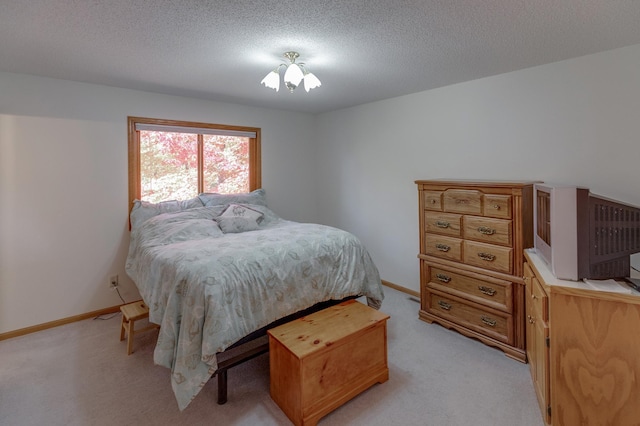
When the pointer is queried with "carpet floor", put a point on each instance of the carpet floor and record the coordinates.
(80, 374)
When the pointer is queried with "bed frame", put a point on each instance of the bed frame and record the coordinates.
(255, 344)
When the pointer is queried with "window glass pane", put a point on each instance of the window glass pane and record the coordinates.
(168, 166)
(226, 164)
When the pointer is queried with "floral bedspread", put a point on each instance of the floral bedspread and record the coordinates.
(208, 289)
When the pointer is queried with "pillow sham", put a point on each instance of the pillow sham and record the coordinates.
(257, 197)
(237, 218)
(209, 213)
(191, 203)
(145, 210)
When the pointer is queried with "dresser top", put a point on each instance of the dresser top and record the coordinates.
(578, 287)
(478, 183)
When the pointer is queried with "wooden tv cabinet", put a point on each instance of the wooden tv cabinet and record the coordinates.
(583, 348)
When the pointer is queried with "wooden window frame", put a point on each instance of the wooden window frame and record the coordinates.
(135, 180)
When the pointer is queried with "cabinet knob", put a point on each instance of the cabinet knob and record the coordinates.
(531, 319)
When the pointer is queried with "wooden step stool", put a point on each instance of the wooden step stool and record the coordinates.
(131, 313)
(320, 361)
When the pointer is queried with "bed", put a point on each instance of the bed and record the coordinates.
(220, 268)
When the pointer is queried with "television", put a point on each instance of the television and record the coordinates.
(581, 235)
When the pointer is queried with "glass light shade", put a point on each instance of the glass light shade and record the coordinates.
(293, 75)
(311, 81)
(272, 80)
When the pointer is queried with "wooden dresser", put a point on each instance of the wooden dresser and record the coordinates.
(584, 350)
(472, 236)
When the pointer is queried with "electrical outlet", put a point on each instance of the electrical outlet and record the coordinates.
(113, 281)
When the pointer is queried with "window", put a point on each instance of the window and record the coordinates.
(177, 160)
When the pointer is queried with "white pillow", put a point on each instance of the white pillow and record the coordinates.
(257, 197)
(144, 210)
(238, 218)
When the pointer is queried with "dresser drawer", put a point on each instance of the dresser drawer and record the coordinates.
(471, 316)
(444, 247)
(462, 201)
(443, 223)
(432, 200)
(490, 291)
(488, 230)
(488, 256)
(497, 206)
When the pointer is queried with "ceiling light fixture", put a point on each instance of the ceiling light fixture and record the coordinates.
(294, 74)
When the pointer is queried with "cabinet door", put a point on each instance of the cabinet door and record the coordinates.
(596, 363)
(541, 360)
(537, 337)
(530, 328)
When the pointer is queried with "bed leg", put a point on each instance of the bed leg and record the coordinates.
(222, 387)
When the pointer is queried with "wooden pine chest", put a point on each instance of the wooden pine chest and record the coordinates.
(319, 362)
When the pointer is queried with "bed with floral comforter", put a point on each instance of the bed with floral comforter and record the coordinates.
(208, 288)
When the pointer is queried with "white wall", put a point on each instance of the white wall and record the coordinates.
(575, 122)
(63, 166)
(64, 190)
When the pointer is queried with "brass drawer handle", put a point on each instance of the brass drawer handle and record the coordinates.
(487, 256)
(441, 224)
(496, 206)
(531, 319)
(444, 278)
(433, 201)
(488, 321)
(443, 247)
(486, 230)
(486, 290)
(444, 305)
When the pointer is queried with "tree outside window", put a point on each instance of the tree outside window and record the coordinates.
(172, 160)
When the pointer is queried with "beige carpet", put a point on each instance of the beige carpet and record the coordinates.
(79, 374)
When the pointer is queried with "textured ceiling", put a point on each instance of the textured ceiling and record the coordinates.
(362, 51)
